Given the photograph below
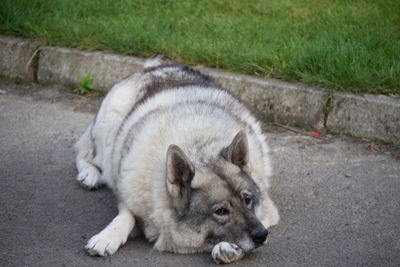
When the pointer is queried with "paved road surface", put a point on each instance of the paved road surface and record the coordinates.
(339, 198)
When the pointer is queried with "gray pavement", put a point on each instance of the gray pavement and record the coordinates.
(339, 198)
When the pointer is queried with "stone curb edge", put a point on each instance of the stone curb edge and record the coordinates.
(369, 116)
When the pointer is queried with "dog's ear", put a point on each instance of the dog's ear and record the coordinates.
(238, 151)
(180, 172)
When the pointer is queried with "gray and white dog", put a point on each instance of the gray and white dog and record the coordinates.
(187, 161)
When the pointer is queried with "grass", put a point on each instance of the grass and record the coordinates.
(85, 85)
(351, 45)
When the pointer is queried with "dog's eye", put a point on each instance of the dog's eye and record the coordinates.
(222, 212)
(248, 201)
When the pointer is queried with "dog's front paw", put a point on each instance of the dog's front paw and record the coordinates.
(225, 252)
(89, 178)
(104, 245)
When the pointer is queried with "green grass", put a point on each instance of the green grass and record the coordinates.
(85, 85)
(351, 45)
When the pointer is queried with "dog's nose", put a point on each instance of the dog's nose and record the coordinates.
(259, 235)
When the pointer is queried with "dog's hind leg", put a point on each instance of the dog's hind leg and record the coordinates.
(114, 235)
(88, 173)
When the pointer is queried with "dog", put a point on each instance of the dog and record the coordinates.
(187, 161)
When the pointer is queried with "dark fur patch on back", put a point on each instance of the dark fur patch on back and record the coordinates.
(158, 84)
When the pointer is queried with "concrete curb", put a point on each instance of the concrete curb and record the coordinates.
(18, 58)
(274, 100)
(64, 66)
(369, 116)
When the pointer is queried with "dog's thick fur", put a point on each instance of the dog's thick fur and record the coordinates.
(186, 160)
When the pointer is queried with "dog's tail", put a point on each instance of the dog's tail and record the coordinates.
(154, 62)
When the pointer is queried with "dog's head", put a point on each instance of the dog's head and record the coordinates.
(215, 201)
